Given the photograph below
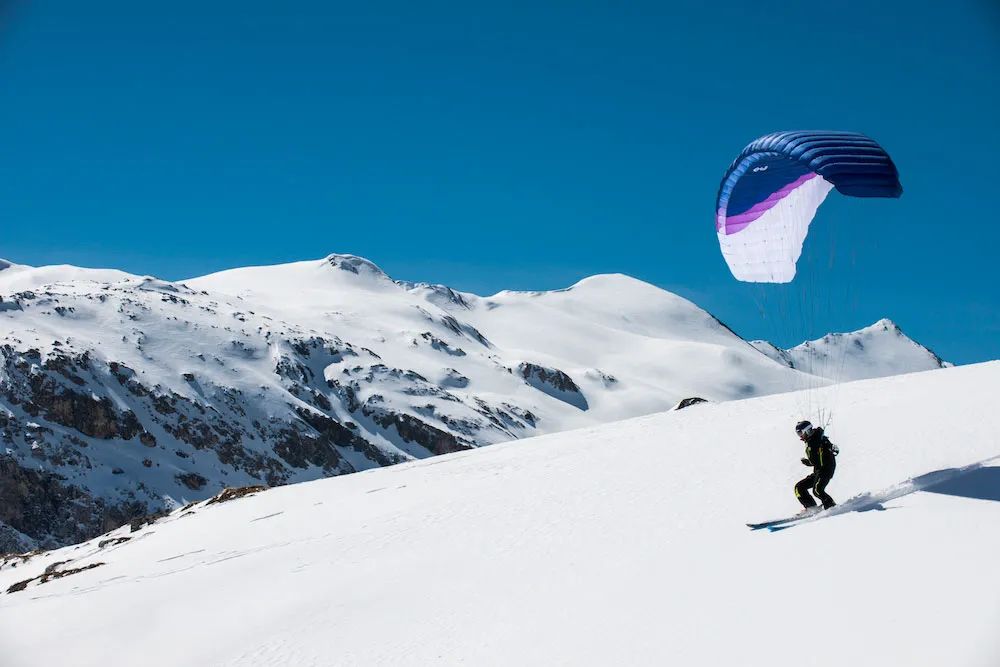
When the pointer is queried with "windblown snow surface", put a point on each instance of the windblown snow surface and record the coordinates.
(619, 544)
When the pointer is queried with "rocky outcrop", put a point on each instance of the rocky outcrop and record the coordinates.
(688, 402)
(46, 386)
(234, 493)
(51, 572)
(412, 430)
(42, 507)
(553, 382)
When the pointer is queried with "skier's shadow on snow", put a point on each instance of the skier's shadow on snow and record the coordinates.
(980, 483)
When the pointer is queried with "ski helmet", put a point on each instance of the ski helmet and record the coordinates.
(804, 429)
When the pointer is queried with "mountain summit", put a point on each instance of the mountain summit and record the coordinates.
(875, 351)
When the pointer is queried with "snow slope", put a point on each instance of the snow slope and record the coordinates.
(876, 351)
(618, 544)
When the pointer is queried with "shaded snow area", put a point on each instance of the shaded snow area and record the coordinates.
(619, 544)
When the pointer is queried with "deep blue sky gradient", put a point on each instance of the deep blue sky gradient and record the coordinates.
(505, 145)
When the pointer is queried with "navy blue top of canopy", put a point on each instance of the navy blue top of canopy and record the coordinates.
(853, 163)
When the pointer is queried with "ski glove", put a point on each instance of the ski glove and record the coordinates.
(805, 462)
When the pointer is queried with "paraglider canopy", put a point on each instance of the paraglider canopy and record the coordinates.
(772, 190)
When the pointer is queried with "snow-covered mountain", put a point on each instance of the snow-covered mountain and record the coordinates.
(876, 351)
(122, 395)
(622, 544)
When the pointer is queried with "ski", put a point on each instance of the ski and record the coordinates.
(777, 523)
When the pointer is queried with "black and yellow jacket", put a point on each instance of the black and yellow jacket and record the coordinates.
(821, 454)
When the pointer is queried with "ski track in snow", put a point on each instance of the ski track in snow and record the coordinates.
(869, 501)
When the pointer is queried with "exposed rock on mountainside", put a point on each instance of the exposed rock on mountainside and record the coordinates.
(688, 402)
(553, 382)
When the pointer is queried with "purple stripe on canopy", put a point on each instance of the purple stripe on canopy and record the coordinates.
(738, 222)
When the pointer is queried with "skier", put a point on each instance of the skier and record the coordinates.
(821, 455)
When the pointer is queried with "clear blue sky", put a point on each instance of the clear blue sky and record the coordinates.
(502, 145)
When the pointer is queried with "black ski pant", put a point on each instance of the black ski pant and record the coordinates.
(816, 481)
